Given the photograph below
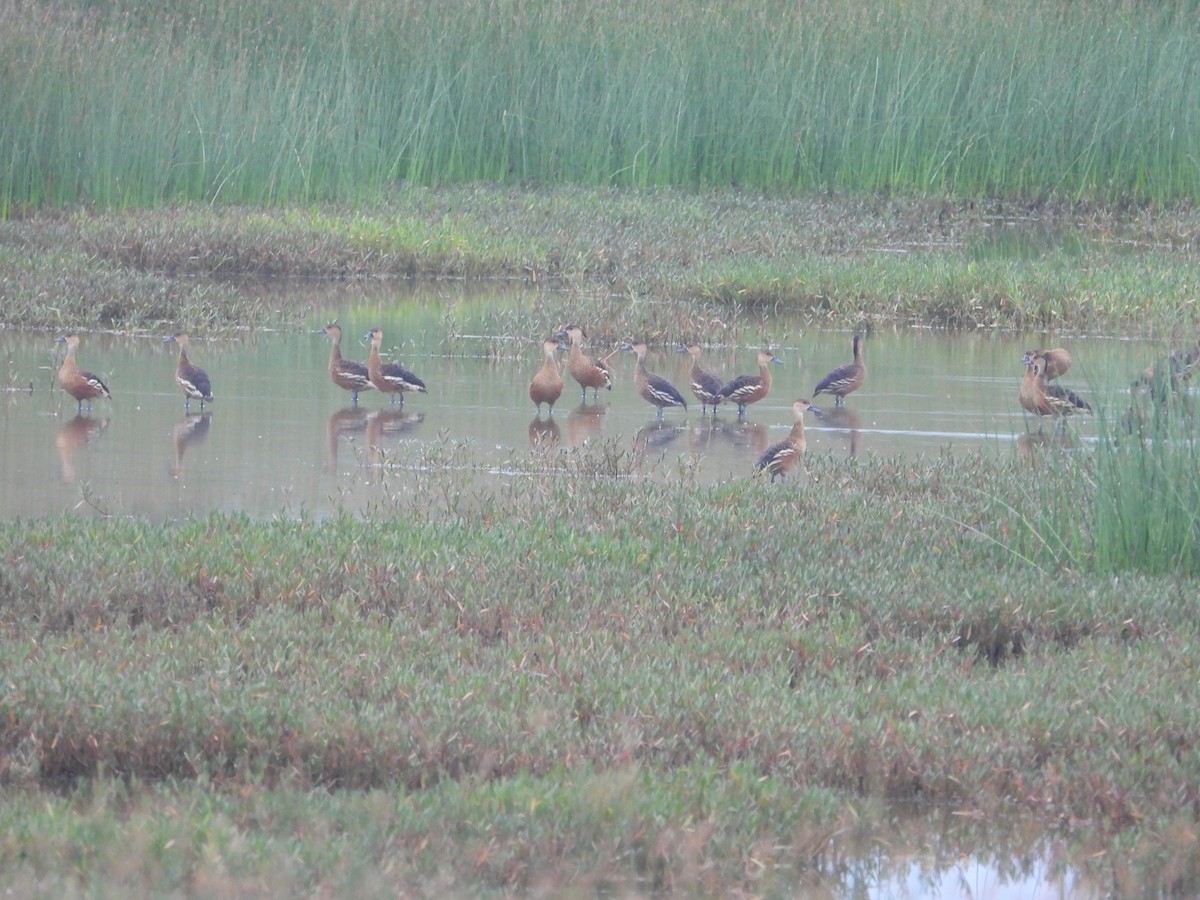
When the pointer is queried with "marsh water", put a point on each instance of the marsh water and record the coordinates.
(281, 440)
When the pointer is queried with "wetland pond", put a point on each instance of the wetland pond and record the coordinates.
(281, 440)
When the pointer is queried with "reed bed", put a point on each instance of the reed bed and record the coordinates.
(116, 104)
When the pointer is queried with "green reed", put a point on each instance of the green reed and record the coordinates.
(1146, 508)
(116, 105)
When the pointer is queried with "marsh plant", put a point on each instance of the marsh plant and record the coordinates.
(116, 105)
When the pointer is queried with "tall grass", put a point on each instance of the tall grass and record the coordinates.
(119, 104)
(1129, 502)
(1146, 513)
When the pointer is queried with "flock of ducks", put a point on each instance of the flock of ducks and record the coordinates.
(1038, 395)
(778, 459)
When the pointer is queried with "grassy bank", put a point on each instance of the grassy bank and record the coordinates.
(532, 685)
(646, 254)
(119, 104)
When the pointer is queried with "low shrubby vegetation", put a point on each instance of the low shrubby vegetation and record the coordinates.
(645, 679)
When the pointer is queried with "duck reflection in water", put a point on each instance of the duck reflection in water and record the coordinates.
(388, 423)
(654, 438)
(585, 422)
(345, 423)
(544, 432)
(74, 434)
(1032, 445)
(843, 420)
(189, 432)
(741, 435)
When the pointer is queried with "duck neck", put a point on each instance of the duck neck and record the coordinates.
(68, 364)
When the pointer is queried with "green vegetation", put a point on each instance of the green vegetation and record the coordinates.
(651, 259)
(119, 104)
(572, 675)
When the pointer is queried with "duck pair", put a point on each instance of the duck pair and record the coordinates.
(86, 386)
(547, 384)
(387, 378)
(1040, 397)
(743, 390)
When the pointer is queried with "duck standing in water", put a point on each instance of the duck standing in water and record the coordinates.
(844, 379)
(80, 384)
(747, 389)
(1044, 399)
(654, 389)
(192, 379)
(547, 385)
(779, 458)
(346, 373)
(705, 385)
(390, 378)
(588, 372)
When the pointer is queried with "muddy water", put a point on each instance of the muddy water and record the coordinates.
(281, 439)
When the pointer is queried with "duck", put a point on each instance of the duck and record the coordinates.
(844, 379)
(389, 378)
(547, 385)
(747, 389)
(590, 373)
(80, 384)
(192, 379)
(654, 389)
(1044, 399)
(1058, 361)
(346, 373)
(1170, 373)
(705, 386)
(778, 459)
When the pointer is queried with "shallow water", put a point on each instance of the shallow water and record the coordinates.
(281, 439)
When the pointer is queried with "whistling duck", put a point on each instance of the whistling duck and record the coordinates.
(547, 385)
(590, 373)
(75, 381)
(705, 385)
(747, 389)
(346, 373)
(654, 389)
(1058, 361)
(192, 379)
(1178, 367)
(390, 378)
(1048, 399)
(844, 379)
(779, 458)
